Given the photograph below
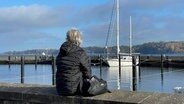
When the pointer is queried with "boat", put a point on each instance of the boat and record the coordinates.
(126, 58)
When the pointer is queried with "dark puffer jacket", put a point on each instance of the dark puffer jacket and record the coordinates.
(72, 67)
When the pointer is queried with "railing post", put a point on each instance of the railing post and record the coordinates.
(22, 69)
(134, 74)
(53, 70)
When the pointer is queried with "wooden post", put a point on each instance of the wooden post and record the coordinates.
(53, 70)
(35, 62)
(100, 66)
(134, 74)
(119, 79)
(22, 69)
(147, 57)
(167, 64)
(139, 60)
(89, 61)
(100, 61)
(119, 66)
(161, 61)
(9, 61)
(139, 66)
(162, 76)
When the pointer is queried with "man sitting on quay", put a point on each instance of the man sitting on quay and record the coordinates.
(73, 66)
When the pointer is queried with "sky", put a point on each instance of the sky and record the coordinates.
(42, 24)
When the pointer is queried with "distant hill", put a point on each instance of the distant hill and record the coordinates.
(146, 48)
(160, 47)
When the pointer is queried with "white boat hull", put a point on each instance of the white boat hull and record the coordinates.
(125, 61)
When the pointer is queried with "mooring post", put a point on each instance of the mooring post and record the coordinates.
(9, 61)
(100, 61)
(35, 62)
(119, 79)
(139, 59)
(53, 70)
(100, 66)
(119, 65)
(134, 74)
(161, 60)
(162, 75)
(89, 61)
(139, 65)
(22, 69)
(167, 58)
(147, 57)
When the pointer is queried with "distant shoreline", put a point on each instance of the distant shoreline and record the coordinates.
(152, 48)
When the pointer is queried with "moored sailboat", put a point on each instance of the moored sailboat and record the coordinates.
(126, 58)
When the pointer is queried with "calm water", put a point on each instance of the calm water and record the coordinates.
(149, 79)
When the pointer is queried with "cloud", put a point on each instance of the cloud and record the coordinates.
(21, 25)
(33, 16)
(153, 20)
(34, 19)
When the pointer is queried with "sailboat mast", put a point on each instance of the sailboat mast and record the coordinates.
(117, 15)
(130, 36)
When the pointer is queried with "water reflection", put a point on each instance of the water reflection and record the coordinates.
(10, 74)
(42, 75)
(162, 76)
(118, 79)
(155, 79)
(149, 79)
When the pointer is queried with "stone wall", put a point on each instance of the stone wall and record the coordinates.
(43, 94)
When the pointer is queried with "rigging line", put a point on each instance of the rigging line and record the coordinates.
(111, 35)
(111, 18)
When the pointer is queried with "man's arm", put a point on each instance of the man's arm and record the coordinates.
(85, 65)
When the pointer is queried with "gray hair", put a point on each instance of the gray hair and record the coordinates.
(74, 36)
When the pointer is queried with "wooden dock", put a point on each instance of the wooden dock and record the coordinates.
(162, 61)
(145, 60)
(27, 59)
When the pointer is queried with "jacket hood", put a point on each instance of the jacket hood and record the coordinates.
(68, 48)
